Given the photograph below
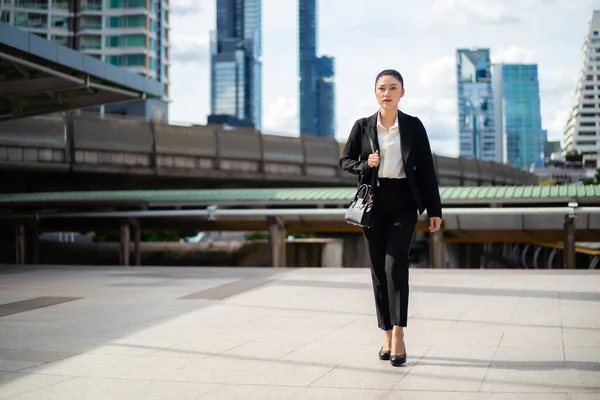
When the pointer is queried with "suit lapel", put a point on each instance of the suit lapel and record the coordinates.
(406, 137)
(371, 130)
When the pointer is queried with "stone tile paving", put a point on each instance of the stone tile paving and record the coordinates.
(258, 333)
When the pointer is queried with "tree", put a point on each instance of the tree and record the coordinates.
(594, 180)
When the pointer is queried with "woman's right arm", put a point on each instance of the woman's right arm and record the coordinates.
(352, 150)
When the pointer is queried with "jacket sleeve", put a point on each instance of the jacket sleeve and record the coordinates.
(425, 172)
(352, 150)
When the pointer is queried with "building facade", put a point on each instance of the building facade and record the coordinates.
(133, 34)
(582, 133)
(236, 69)
(317, 77)
(518, 114)
(478, 136)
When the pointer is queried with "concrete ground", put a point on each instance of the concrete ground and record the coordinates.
(240, 333)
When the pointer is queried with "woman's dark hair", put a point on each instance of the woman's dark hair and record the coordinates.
(390, 72)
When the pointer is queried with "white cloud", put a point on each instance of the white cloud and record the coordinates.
(281, 117)
(190, 48)
(512, 55)
(463, 12)
(444, 147)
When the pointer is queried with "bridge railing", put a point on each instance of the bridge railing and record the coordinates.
(115, 144)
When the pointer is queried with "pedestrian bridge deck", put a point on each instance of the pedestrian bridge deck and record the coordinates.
(318, 196)
(474, 214)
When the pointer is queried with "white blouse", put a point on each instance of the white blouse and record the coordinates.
(390, 152)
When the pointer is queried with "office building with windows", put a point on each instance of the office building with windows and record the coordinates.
(478, 136)
(317, 86)
(582, 133)
(236, 68)
(133, 34)
(518, 114)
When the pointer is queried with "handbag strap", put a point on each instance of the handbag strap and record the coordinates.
(375, 175)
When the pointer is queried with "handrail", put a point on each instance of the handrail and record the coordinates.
(215, 212)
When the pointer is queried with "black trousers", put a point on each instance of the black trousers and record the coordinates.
(388, 243)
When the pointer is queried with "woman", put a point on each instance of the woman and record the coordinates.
(406, 186)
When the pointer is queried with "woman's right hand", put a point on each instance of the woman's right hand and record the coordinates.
(373, 160)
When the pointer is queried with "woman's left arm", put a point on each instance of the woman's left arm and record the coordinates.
(425, 171)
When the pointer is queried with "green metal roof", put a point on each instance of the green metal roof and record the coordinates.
(467, 194)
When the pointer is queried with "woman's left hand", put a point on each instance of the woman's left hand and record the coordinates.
(435, 223)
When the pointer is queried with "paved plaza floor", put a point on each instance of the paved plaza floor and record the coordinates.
(249, 333)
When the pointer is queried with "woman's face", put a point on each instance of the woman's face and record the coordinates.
(388, 91)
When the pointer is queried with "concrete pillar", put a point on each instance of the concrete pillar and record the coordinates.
(137, 238)
(35, 245)
(355, 251)
(124, 247)
(569, 242)
(20, 244)
(277, 241)
(438, 257)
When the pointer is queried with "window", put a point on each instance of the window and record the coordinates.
(90, 43)
(133, 60)
(60, 22)
(126, 41)
(31, 20)
(130, 21)
(127, 3)
(88, 22)
(62, 40)
(41, 4)
(93, 5)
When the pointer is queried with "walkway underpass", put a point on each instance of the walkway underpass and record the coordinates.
(478, 221)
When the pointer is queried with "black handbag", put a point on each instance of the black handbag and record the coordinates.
(360, 211)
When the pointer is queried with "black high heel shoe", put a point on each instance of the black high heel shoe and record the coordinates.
(398, 360)
(384, 355)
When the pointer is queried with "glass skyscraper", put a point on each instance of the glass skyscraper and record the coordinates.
(518, 94)
(133, 34)
(317, 87)
(478, 137)
(236, 76)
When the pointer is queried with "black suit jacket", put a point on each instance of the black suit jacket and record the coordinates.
(416, 154)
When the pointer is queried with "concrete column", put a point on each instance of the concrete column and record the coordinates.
(569, 243)
(137, 238)
(277, 241)
(35, 245)
(438, 258)
(124, 247)
(20, 244)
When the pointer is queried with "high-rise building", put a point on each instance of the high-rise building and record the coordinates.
(133, 34)
(478, 137)
(317, 87)
(518, 114)
(582, 133)
(236, 69)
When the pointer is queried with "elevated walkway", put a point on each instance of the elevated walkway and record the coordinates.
(41, 77)
(524, 214)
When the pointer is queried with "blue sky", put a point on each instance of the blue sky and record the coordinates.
(418, 38)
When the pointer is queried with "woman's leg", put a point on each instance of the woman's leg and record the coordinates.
(400, 232)
(375, 239)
